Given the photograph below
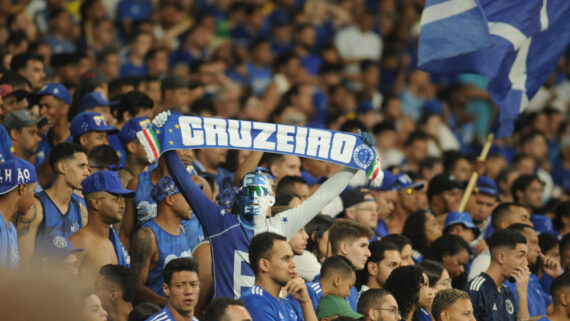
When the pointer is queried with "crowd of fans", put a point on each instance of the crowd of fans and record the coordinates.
(91, 230)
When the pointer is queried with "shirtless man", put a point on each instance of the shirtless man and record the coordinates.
(105, 199)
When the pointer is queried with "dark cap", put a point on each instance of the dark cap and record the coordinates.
(355, 196)
(21, 118)
(441, 183)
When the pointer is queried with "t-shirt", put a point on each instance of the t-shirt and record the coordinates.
(488, 303)
(6, 148)
(537, 299)
(265, 307)
(9, 256)
(165, 315)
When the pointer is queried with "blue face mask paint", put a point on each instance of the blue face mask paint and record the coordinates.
(255, 197)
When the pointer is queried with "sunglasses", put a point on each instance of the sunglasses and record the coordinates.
(254, 190)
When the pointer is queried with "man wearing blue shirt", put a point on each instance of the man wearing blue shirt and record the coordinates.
(271, 260)
(181, 286)
(492, 299)
(17, 184)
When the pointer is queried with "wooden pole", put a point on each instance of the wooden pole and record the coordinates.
(474, 176)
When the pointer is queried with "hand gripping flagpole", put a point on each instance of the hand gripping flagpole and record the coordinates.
(475, 175)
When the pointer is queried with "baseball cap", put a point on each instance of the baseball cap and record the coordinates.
(487, 186)
(331, 305)
(355, 196)
(403, 181)
(441, 183)
(105, 181)
(165, 187)
(387, 183)
(58, 249)
(462, 218)
(173, 81)
(8, 90)
(21, 118)
(92, 100)
(57, 90)
(86, 122)
(130, 129)
(14, 172)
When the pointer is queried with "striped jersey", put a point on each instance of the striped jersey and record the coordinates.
(488, 303)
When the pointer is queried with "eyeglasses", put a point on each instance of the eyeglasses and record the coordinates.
(251, 190)
(394, 310)
(446, 283)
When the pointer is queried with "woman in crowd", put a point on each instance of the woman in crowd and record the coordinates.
(410, 287)
(421, 227)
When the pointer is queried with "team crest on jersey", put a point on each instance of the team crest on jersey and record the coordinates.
(60, 242)
(509, 306)
(74, 227)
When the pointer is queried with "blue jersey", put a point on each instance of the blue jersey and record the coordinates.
(6, 148)
(422, 315)
(488, 303)
(165, 315)
(9, 256)
(353, 298)
(123, 256)
(265, 307)
(115, 142)
(45, 147)
(229, 239)
(537, 299)
(169, 247)
(57, 227)
(146, 209)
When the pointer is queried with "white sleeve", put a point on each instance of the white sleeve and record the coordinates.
(289, 222)
(307, 265)
(480, 264)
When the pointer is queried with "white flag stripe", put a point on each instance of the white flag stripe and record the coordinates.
(445, 10)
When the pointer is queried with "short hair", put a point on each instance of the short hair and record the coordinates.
(216, 310)
(522, 183)
(405, 283)
(260, 247)
(103, 157)
(398, 239)
(382, 127)
(414, 136)
(338, 264)
(500, 213)
(122, 277)
(565, 244)
(20, 61)
(64, 151)
(133, 102)
(444, 299)
(143, 311)
(447, 244)
(428, 162)
(287, 183)
(505, 238)
(369, 299)
(504, 175)
(414, 229)
(451, 158)
(519, 227)
(547, 241)
(530, 136)
(558, 284)
(377, 254)
(433, 270)
(271, 159)
(178, 265)
(282, 198)
(344, 230)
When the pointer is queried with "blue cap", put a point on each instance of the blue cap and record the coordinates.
(14, 172)
(92, 100)
(403, 181)
(462, 218)
(105, 181)
(487, 186)
(57, 90)
(90, 122)
(387, 183)
(165, 187)
(59, 249)
(134, 10)
(433, 107)
(130, 128)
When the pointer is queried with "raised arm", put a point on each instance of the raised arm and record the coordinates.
(291, 221)
(249, 164)
(206, 210)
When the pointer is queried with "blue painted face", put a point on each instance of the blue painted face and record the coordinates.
(255, 197)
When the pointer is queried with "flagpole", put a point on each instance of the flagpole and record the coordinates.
(475, 174)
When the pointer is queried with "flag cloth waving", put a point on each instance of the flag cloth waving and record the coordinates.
(516, 43)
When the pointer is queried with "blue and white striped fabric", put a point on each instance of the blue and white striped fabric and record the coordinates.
(516, 43)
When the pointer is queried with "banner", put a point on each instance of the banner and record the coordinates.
(193, 132)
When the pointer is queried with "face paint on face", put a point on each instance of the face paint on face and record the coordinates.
(254, 199)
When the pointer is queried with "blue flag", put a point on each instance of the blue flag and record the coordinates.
(516, 43)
